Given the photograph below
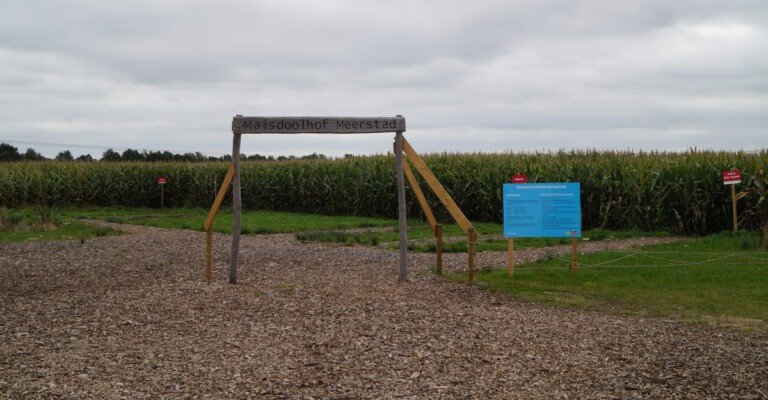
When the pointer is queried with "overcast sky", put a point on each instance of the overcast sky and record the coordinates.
(475, 75)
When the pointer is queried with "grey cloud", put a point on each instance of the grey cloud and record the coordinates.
(171, 74)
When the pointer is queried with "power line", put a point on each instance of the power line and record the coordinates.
(50, 144)
(85, 146)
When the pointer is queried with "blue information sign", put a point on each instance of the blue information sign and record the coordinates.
(542, 210)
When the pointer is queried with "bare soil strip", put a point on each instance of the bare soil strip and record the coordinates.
(131, 317)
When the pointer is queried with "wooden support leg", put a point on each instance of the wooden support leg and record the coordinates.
(403, 271)
(236, 210)
(471, 256)
(439, 249)
(511, 257)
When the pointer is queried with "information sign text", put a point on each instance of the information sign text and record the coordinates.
(731, 177)
(542, 210)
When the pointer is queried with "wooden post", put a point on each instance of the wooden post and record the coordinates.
(208, 224)
(403, 270)
(574, 256)
(510, 257)
(208, 257)
(471, 237)
(236, 210)
(733, 201)
(161, 196)
(439, 249)
(437, 188)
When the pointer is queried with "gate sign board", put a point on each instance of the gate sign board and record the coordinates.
(162, 180)
(731, 177)
(519, 178)
(317, 124)
(542, 210)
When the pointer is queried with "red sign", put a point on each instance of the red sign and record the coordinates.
(519, 178)
(731, 177)
(161, 180)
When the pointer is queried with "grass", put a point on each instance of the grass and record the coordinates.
(252, 222)
(42, 224)
(421, 239)
(720, 279)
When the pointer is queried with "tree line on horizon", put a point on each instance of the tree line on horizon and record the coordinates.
(11, 153)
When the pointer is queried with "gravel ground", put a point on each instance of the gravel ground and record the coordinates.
(131, 317)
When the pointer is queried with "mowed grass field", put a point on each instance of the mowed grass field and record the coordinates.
(719, 279)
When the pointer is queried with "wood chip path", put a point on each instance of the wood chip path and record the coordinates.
(130, 317)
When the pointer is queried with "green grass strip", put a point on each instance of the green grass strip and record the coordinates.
(720, 279)
(252, 222)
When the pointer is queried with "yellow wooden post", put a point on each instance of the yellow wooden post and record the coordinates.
(574, 256)
(437, 188)
(208, 224)
(471, 237)
(511, 257)
(220, 197)
(419, 196)
(439, 248)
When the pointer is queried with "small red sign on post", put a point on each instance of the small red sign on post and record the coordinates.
(162, 181)
(519, 178)
(731, 177)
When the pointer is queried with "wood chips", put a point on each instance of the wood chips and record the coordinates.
(131, 317)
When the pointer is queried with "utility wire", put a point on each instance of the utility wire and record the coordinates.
(91, 147)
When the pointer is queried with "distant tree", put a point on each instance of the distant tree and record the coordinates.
(32, 155)
(168, 156)
(159, 156)
(86, 157)
(65, 155)
(314, 156)
(110, 155)
(132, 155)
(200, 157)
(9, 153)
(154, 156)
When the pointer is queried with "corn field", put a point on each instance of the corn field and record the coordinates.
(681, 192)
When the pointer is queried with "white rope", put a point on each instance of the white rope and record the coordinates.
(671, 262)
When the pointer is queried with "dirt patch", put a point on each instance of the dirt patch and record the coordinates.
(131, 317)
